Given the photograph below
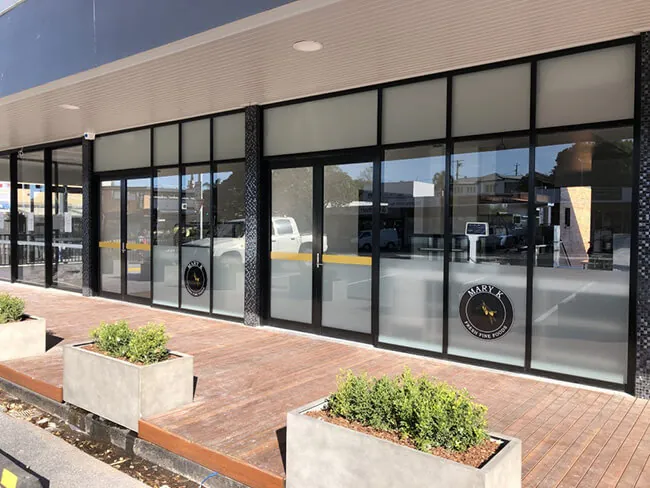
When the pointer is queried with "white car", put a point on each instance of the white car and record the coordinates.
(229, 240)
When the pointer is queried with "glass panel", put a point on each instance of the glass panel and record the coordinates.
(228, 136)
(583, 238)
(5, 219)
(587, 87)
(412, 243)
(487, 272)
(496, 100)
(165, 239)
(331, 123)
(229, 244)
(196, 141)
(165, 145)
(138, 237)
(31, 218)
(414, 112)
(291, 252)
(110, 237)
(347, 263)
(123, 151)
(67, 211)
(195, 238)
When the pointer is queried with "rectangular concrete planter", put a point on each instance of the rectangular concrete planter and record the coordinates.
(22, 339)
(324, 455)
(123, 392)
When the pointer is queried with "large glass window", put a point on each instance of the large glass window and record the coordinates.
(165, 238)
(31, 218)
(67, 212)
(583, 198)
(411, 244)
(487, 272)
(229, 244)
(5, 219)
(195, 238)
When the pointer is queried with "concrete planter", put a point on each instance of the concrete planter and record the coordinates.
(22, 339)
(123, 392)
(323, 455)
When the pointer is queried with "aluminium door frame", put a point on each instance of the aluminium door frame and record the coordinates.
(317, 161)
(122, 176)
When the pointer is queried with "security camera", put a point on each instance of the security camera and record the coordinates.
(89, 136)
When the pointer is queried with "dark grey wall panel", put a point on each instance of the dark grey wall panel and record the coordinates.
(44, 40)
(642, 380)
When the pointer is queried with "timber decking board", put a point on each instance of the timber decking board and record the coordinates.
(249, 378)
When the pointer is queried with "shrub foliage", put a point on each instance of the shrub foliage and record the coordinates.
(430, 414)
(113, 338)
(149, 344)
(11, 308)
(145, 345)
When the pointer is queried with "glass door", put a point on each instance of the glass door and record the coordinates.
(321, 247)
(110, 237)
(125, 238)
(137, 241)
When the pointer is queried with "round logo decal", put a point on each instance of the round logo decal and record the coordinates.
(486, 312)
(196, 278)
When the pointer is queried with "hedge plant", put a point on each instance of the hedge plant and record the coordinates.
(12, 308)
(430, 414)
(145, 345)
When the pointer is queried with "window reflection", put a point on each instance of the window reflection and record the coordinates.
(31, 218)
(5, 219)
(229, 244)
(489, 210)
(166, 237)
(583, 200)
(195, 238)
(67, 200)
(412, 243)
(347, 224)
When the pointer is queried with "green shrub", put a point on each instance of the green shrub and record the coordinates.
(149, 344)
(431, 414)
(113, 338)
(11, 308)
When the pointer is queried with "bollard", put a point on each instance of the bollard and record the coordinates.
(13, 476)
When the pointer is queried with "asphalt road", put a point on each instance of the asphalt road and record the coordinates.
(58, 462)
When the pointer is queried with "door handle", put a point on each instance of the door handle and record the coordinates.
(319, 262)
(123, 247)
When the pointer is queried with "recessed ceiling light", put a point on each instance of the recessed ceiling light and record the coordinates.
(67, 106)
(308, 46)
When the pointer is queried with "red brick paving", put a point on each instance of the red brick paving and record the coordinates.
(249, 378)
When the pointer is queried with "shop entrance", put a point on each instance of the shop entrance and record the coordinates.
(125, 238)
(320, 246)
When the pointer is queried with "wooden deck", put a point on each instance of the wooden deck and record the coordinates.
(249, 378)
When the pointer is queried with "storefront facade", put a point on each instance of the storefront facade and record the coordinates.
(494, 214)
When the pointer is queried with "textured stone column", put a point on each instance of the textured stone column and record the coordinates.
(642, 383)
(90, 252)
(253, 210)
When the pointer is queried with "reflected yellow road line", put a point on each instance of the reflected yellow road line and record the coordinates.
(327, 258)
(357, 260)
(133, 246)
(291, 256)
(109, 244)
(134, 269)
